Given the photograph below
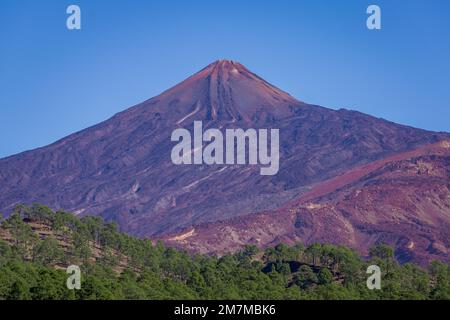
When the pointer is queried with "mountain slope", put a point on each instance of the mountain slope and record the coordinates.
(121, 168)
(402, 200)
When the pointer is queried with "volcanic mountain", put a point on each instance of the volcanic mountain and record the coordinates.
(121, 168)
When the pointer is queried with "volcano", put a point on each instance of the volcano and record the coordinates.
(121, 168)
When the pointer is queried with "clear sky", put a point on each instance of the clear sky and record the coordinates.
(54, 82)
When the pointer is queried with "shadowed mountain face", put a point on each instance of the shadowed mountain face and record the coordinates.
(121, 168)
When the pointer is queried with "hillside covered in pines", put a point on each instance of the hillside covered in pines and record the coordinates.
(37, 245)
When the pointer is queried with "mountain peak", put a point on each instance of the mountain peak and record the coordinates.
(225, 61)
(225, 66)
(227, 90)
(228, 66)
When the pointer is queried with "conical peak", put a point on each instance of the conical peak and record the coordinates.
(224, 68)
(227, 66)
(227, 90)
(225, 62)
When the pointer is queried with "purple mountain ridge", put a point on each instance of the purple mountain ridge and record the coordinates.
(121, 168)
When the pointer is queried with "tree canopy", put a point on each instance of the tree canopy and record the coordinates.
(37, 244)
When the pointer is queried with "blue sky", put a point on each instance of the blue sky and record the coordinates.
(54, 82)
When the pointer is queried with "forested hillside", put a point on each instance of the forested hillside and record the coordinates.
(37, 244)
